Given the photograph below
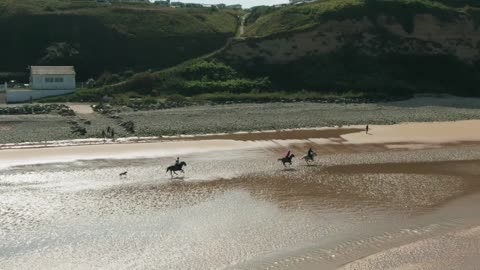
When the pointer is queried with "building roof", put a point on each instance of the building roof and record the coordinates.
(52, 70)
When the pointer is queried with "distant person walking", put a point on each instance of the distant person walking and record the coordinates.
(112, 132)
(366, 129)
(104, 136)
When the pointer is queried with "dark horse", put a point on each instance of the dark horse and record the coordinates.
(287, 160)
(175, 168)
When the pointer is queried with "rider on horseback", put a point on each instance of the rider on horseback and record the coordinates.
(288, 154)
(177, 167)
(177, 162)
(311, 154)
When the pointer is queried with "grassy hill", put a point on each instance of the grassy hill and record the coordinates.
(392, 47)
(329, 50)
(97, 38)
(269, 21)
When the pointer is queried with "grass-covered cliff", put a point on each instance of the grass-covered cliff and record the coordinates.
(270, 21)
(394, 47)
(117, 37)
(352, 49)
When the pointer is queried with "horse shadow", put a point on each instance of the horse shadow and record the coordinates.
(289, 169)
(312, 165)
(178, 179)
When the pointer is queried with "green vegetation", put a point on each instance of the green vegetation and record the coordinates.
(198, 77)
(97, 38)
(302, 17)
(257, 12)
(144, 55)
(396, 75)
(383, 64)
(229, 97)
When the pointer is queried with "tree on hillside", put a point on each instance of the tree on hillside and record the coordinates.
(59, 53)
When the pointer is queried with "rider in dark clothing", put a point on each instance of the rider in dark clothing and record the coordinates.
(288, 154)
(310, 153)
(177, 162)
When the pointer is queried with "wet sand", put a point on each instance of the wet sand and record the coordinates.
(430, 133)
(360, 206)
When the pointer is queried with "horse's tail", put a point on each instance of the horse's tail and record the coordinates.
(168, 169)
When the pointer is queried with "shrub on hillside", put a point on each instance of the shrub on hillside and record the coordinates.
(141, 83)
(107, 78)
(176, 99)
(209, 71)
(232, 86)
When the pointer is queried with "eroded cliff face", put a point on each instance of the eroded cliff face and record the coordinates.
(430, 36)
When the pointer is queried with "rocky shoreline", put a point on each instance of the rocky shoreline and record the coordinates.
(208, 119)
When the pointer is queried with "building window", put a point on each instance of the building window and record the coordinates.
(52, 80)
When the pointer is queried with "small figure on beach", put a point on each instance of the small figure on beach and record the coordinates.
(288, 154)
(112, 133)
(123, 173)
(366, 129)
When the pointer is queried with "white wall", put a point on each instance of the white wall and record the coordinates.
(39, 83)
(16, 96)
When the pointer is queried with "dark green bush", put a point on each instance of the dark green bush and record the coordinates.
(208, 71)
(176, 99)
(141, 83)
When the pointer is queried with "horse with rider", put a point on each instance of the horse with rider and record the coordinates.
(287, 159)
(178, 166)
(310, 157)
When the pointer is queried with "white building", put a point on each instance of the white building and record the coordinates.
(52, 78)
(45, 81)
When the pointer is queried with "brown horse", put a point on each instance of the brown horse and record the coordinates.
(287, 160)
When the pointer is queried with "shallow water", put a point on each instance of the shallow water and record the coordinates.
(242, 210)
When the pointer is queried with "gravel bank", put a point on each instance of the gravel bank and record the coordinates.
(240, 117)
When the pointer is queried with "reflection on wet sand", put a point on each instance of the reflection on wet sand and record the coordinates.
(241, 209)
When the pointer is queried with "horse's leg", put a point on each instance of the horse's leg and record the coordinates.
(183, 171)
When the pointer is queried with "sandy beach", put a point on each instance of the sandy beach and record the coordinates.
(402, 196)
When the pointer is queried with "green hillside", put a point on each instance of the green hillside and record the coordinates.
(355, 45)
(116, 37)
(268, 21)
(353, 49)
